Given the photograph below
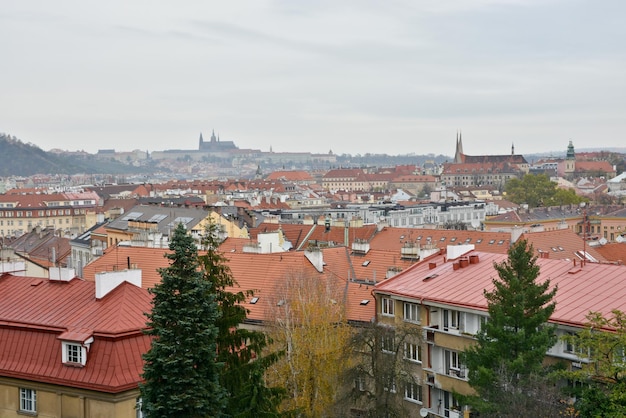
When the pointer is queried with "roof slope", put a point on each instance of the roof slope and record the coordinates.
(593, 287)
(35, 314)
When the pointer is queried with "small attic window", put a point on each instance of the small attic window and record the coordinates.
(401, 236)
(554, 249)
(561, 248)
(501, 242)
(442, 239)
(479, 240)
(492, 241)
(74, 354)
(453, 239)
(366, 263)
(365, 302)
(419, 238)
(468, 240)
(281, 302)
(254, 300)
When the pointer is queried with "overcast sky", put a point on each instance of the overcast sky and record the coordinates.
(356, 77)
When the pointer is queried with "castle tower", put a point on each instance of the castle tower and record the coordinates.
(200, 141)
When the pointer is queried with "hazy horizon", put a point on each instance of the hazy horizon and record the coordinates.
(353, 77)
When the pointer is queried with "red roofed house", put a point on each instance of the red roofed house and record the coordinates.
(444, 298)
(69, 347)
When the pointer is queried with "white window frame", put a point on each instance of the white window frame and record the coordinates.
(387, 307)
(28, 400)
(389, 383)
(74, 353)
(139, 408)
(413, 392)
(413, 352)
(411, 312)
(388, 342)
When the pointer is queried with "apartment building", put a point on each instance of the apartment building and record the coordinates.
(443, 298)
(70, 347)
(71, 213)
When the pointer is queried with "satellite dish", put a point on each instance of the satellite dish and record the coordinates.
(423, 412)
(603, 241)
(619, 238)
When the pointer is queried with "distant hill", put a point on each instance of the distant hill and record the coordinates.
(20, 159)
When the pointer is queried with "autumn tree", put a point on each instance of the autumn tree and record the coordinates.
(599, 384)
(181, 371)
(511, 345)
(240, 350)
(310, 325)
(383, 369)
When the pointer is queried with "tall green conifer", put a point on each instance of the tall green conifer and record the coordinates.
(181, 370)
(513, 342)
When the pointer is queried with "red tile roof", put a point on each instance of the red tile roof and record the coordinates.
(393, 239)
(560, 244)
(594, 287)
(35, 314)
(614, 251)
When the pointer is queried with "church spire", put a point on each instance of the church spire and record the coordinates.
(512, 148)
(458, 154)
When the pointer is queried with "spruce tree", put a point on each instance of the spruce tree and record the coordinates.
(512, 344)
(181, 371)
(240, 350)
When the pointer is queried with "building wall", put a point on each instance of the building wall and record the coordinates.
(55, 401)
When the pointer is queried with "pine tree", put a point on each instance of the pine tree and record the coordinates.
(240, 350)
(512, 344)
(181, 371)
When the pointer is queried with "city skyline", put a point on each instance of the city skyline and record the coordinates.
(354, 78)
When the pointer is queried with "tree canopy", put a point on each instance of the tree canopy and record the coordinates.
(538, 190)
(512, 343)
(181, 371)
(600, 381)
(240, 350)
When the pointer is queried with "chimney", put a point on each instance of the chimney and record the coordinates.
(432, 266)
(316, 257)
(107, 281)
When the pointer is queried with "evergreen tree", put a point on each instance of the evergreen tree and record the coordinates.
(512, 344)
(239, 349)
(181, 372)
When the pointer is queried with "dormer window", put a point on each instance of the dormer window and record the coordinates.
(75, 346)
(74, 354)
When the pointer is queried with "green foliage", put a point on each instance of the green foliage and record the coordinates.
(538, 190)
(601, 346)
(512, 344)
(240, 350)
(20, 159)
(181, 371)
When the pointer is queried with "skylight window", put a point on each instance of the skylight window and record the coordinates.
(561, 248)
(442, 239)
(157, 218)
(432, 276)
(501, 242)
(254, 300)
(554, 249)
(281, 302)
(132, 216)
(365, 302)
(181, 220)
(479, 240)
(468, 240)
(453, 239)
(366, 263)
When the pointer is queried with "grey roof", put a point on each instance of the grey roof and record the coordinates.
(165, 217)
